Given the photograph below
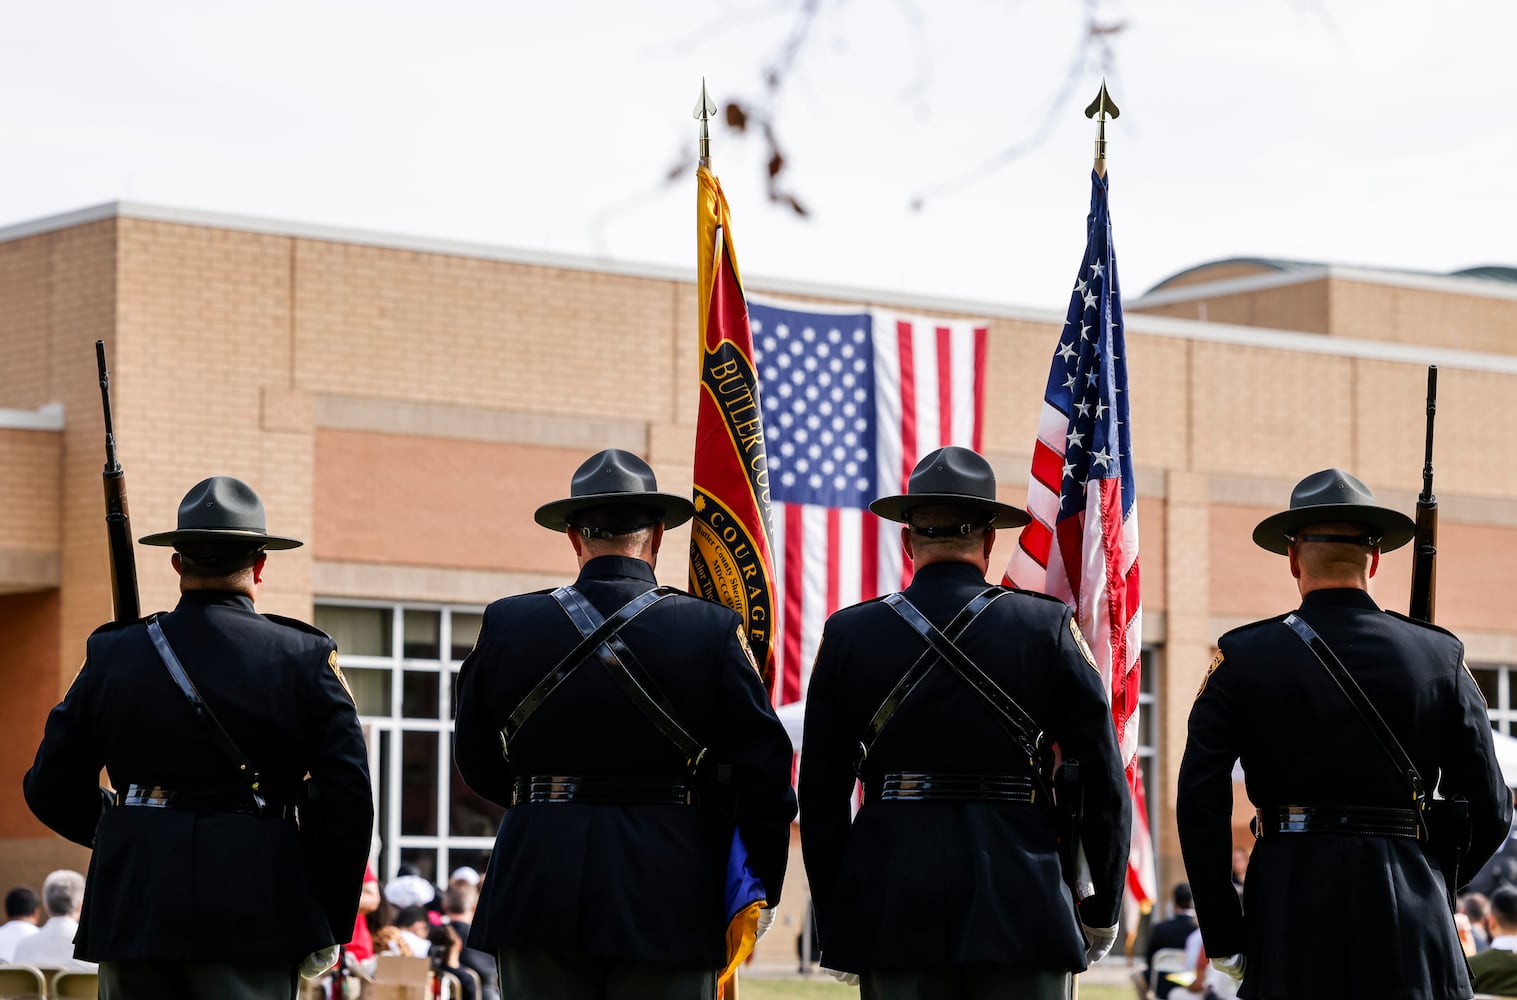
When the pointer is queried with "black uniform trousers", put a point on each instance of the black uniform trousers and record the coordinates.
(249, 980)
(531, 973)
(986, 981)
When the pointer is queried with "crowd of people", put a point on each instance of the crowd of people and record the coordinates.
(39, 931)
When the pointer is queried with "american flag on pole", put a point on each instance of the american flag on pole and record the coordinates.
(851, 401)
(1082, 544)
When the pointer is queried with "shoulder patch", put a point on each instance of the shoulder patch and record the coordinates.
(1216, 661)
(742, 640)
(1074, 630)
(332, 662)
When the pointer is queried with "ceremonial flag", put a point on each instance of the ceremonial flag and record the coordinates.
(730, 559)
(852, 400)
(1082, 543)
(729, 536)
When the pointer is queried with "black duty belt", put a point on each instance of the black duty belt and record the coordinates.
(1356, 821)
(925, 786)
(603, 790)
(222, 800)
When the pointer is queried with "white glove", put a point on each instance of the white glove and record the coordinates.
(1101, 939)
(846, 978)
(318, 963)
(1231, 966)
(765, 921)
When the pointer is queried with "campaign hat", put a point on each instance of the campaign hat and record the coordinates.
(1334, 495)
(953, 476)
(221, 509)
(614, 478)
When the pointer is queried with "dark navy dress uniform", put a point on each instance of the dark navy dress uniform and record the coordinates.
(173, 885)
(1325, 914)
(614, 882)
(912, 885)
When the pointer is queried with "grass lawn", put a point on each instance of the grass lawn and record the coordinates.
(816, 987)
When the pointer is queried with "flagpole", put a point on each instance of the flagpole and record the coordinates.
(1099, 109)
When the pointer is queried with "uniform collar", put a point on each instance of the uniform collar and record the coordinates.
(940, 573)
(614, 567)
(1340, 597)
(216, 598)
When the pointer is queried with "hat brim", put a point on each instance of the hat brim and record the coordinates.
(1004, 515)
(673, 510)
(1274, 533)
(255, 539)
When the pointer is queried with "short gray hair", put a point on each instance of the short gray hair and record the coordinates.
(63, 893)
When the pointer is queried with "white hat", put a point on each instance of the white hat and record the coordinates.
(409, 890)
(465, 874)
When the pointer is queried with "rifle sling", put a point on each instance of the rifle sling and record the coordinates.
(1018, 724)
(1356, 696)
(917, 671)
(223, 740)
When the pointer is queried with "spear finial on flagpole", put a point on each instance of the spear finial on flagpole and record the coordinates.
(705, 108)
(1102, 107)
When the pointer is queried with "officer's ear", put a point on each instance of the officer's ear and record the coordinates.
(1294, 555)
(178, 564)
(990, 541)
(263, 557)
(1374, 560)
(906, 544)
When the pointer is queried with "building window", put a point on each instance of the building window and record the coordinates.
(1496, 683)
(1148, 741)
(401, 661)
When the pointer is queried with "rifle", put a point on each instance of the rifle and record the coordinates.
(1425, 539)
(118, 523)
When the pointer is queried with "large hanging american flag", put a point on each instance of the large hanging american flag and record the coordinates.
(851, 401)
(1082, 544)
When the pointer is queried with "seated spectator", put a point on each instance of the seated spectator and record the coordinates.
(446, 946)
(1495, 969)
(1210, 982)
(387, 941)
(361, 947)
(1475, 906)
(52, 946)
(414, 930)
(20, 920)
(458, 905)
(1172, 933)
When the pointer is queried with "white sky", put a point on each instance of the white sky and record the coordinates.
(1375, 132)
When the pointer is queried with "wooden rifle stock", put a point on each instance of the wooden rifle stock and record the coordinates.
(118, 522)
(1425, 540)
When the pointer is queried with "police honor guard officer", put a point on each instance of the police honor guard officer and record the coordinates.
(949, 883)
(201, 884)
(608, 871)
(1345, 894)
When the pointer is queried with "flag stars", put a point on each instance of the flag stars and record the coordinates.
(1090, 300)
(1084, 331)
(1069, 471)
(1066, 351)
(1097, 270)
(1075, 439)
(1069, 383)
(1101, 457)
(1083, 408)
(1101, 409)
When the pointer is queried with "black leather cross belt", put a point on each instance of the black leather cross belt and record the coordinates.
(924, 786)
(1356, 821)
(603, 790)
(225, 800)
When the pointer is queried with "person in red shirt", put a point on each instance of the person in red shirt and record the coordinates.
(362, 945)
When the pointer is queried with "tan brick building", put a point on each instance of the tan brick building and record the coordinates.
(405, 404)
